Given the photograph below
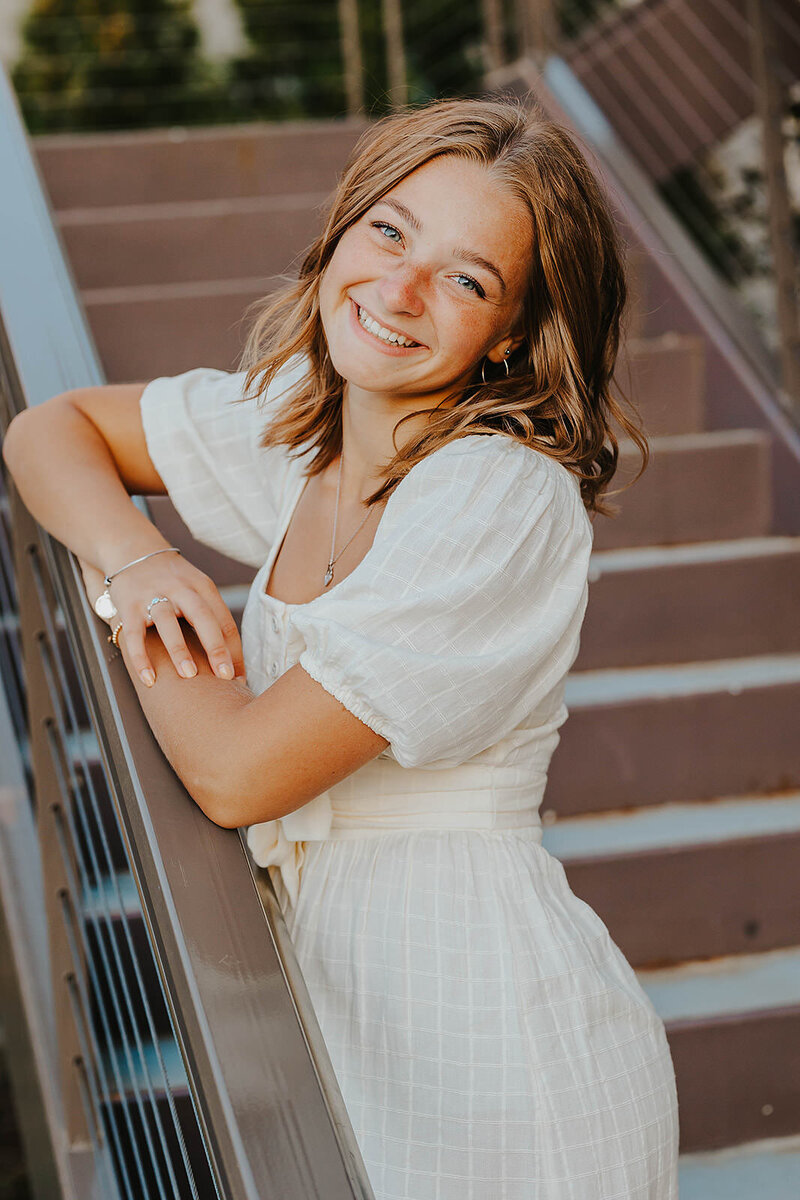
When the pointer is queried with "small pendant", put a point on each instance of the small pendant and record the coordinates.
(104, 606)
(329, 574)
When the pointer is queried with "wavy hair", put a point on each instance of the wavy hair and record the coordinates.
(557, 395)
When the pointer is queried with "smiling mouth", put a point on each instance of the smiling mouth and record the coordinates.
(390, 336)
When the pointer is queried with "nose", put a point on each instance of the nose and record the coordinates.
(401, 289)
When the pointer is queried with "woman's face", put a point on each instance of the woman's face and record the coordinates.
(441, 261)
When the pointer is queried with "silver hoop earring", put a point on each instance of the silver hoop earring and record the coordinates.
(505, 364)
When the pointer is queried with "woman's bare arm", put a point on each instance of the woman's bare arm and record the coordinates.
(246, 758)
(76, 461)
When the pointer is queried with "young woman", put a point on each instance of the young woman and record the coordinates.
(410, 454)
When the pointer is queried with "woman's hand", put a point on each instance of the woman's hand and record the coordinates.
(191, 595)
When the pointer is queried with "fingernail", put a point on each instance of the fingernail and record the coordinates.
(226, 670)
(148, 677)
(188, 669)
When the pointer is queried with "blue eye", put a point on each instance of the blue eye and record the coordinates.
(474, 285)
(383, 226)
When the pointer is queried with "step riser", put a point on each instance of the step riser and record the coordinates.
(697, 493)
(692, 611)
(665, 380)
(737, 1079)
(204, 330)
(661, 907)
(191, 248)
(685, 748)
(150, 168)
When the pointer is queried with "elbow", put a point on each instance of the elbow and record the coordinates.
(221, 799)
(14, 440)
(232, 806)
(23, 434)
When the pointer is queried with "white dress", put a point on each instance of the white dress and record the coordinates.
(490, 1040)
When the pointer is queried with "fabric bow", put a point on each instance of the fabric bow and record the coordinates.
(281, 843)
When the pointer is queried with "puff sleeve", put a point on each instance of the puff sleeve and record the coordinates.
(465, 614)
(204, 443)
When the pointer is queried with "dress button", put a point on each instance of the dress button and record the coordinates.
(273, 669)
(275, 625)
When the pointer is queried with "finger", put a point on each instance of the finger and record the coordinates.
(205, 624)
(133, 632)
(230, 630)
(169, 631)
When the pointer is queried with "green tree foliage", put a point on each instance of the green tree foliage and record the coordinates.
(295, 67)
(117, 64)
(113, 64)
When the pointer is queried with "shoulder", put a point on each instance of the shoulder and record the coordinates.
(484, 507)
(499, 479)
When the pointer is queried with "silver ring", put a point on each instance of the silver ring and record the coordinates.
(158, 600)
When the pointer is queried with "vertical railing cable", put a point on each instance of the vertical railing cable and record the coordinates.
(71, 738)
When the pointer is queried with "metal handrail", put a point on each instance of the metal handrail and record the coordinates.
(239, 1010)
(659, 29)
(731, 337)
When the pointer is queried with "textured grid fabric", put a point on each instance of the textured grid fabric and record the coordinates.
(465, 616)
(203, 441)
(490, 1041)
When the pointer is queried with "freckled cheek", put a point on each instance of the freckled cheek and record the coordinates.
(352, 262)
(468, 336)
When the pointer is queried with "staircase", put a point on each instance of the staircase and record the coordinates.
(674, 796)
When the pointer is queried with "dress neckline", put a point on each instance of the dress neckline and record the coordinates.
(289, 511)
(283, 529)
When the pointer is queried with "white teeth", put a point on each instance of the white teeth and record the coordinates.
(387, 335)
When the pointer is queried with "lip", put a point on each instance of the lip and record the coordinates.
(390, 348)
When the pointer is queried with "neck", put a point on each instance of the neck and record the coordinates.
(368, 421)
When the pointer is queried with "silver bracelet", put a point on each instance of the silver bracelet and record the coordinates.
(104, 606)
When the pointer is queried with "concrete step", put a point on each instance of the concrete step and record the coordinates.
(173, 164)
(766, 1170)
(734, 1031)
(710, 878)
(707, 600)
(697, 487)
(190, 241)
(727, 986)
(697, 730)
(145, 331)
(665, 378)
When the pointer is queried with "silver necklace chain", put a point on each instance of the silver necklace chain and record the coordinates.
(332, 561)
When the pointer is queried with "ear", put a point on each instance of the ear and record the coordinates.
(505, 348)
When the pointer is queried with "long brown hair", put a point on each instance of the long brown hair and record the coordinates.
(556, 397)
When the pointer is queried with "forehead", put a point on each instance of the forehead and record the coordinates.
(460, 203)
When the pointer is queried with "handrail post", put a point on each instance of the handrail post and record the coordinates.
(395, 53)
(536, 28)
(493, 49)
(350, 37)
(45, 744)
(770, 109)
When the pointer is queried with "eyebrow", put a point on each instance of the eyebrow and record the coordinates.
(469, 256)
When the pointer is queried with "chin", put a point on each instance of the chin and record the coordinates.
(361, 369)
